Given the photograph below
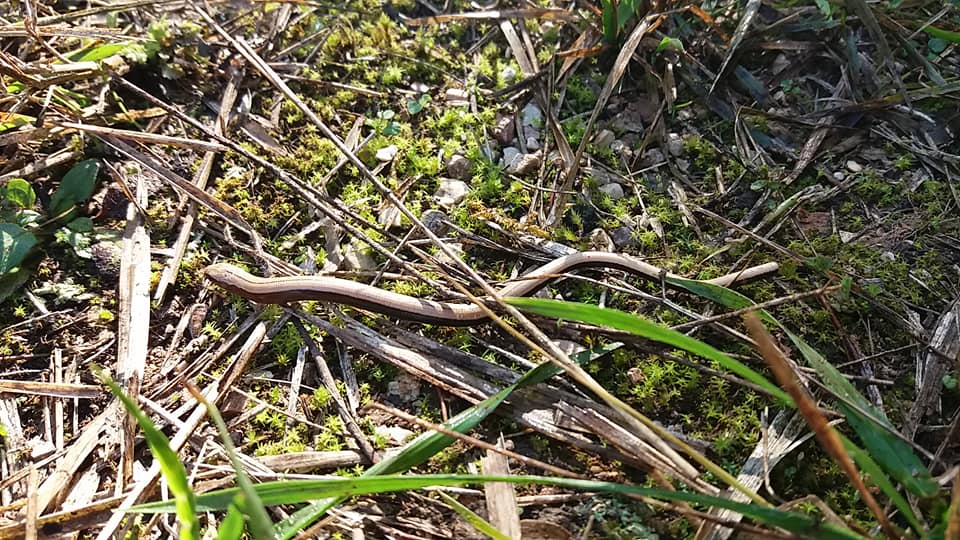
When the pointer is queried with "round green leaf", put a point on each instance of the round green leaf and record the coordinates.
(15, 245)
(19, 192)
(75, 188)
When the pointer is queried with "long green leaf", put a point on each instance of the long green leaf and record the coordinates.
(247, 500)
(472, 518)
(894, 455)
(170, 465)
(879, 478)
(294, 491)
(429, 443)
(642, 327)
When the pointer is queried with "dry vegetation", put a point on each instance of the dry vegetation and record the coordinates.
(439, 150)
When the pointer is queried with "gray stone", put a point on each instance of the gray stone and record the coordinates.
(623, 237)
(531, 116)
(459, 167)
(451, 192)
(652, 158)
(599, 176)
(510, 154)
(613, 190)
(604, 138)
(533, 143)
(357, 256)
(524, 164)
(854, 167)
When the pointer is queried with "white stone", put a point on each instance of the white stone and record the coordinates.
(451, 192)
(675, 144)
(457, 97)
(508, 74)
(357, 256)
(839, 175)
(854, 167)
(387, 153)
(395, 434)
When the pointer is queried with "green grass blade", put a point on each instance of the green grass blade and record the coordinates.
(642, 327)
(231, 528)
(248, 501)
(170, 465)
(893, 454)
(294, 491)
(472, 518)
(879, 478)
(428, 444)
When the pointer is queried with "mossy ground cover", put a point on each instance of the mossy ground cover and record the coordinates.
(385, 77)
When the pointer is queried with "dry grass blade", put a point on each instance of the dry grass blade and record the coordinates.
(146, 138)
(501, 498)
(58, 390)
(619, 68)
(824, 432)
(749, 14)
(548, 14)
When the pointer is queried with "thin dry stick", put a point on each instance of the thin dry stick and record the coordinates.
(826, 435)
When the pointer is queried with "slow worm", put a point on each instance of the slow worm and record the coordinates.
(280, 290)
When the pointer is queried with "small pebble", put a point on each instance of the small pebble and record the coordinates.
(854, 167)
(508, 74)
(839, 175)
(613, 190)
(524, 164)
(532, 116)
(604, 138)
(510, 154)
(459, 167)
(451, 192)
(503, 129)
(652, 158)
(675, 144)
(457, 97)
(387, 153)
(623, 237)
